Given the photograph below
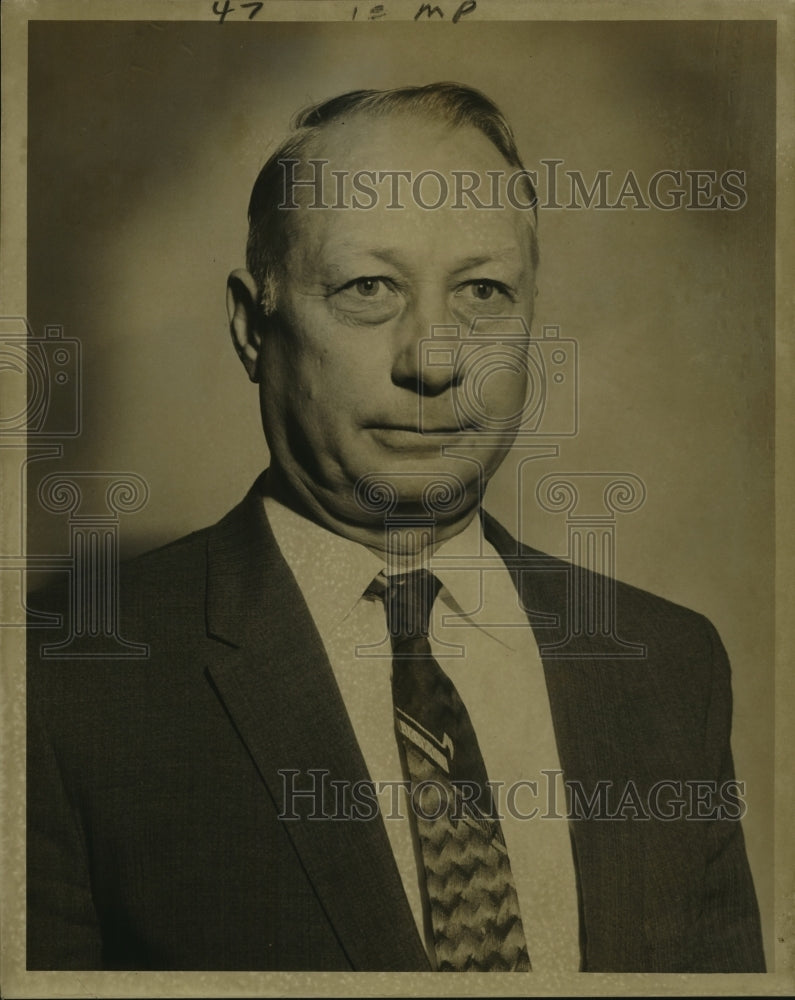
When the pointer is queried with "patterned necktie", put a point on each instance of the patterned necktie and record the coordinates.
(471, 896)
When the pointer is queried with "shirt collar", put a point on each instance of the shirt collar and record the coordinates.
(333, 572)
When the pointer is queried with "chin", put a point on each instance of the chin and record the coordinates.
(444, 491)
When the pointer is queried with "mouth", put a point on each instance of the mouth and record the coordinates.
(409, 438)
(423, 431)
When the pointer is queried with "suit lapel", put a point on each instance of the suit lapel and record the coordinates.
(279, 689)
(592, 712)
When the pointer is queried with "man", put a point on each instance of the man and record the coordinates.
(346, 745)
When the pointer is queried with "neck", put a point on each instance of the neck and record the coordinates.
(404, 538)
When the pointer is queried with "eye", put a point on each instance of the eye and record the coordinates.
(367, 287)
(483, 289)
(366, 299)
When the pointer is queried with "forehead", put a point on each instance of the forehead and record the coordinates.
(412, 139)
(361, 155)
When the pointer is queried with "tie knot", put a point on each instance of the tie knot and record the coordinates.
(408, 599)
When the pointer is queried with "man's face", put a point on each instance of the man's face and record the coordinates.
(351, 384)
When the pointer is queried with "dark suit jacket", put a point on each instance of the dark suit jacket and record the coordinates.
(154, 792)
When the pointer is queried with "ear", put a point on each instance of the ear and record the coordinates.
(245, 322)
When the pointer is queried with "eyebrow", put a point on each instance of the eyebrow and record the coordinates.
(508, 254)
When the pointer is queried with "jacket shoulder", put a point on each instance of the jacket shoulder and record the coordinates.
(161, 570)
(560, 576)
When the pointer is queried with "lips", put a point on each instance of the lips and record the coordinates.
(425, 429)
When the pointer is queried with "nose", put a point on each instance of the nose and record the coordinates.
(416, 364)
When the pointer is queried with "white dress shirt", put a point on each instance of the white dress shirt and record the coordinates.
(482, 640)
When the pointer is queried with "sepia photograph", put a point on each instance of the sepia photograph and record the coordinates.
(394, 411)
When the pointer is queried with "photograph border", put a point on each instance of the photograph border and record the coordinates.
(15, 981)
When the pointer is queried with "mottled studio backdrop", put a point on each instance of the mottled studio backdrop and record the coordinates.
(144, 140)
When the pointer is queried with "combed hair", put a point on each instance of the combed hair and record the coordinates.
(450, 103)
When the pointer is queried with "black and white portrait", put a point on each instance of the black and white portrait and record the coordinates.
(390, 437)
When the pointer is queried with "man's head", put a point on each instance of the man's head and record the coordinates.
(386, 216)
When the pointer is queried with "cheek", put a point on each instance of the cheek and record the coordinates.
(324, 370)
(291, 369)
(506, 399)
(320, 392)
(495, 387)
(347, 371)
